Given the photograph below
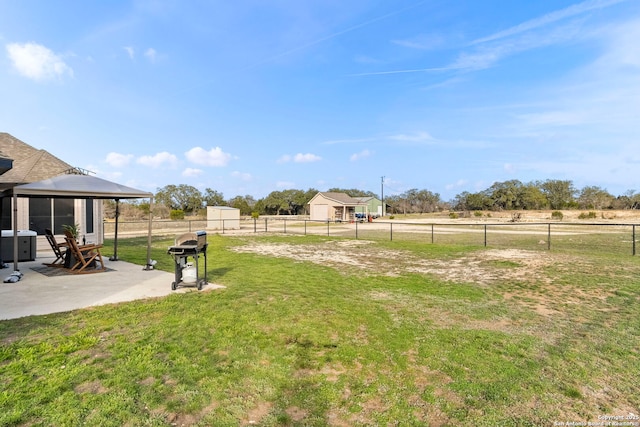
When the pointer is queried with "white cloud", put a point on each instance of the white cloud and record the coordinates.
(422, 42)
(349, 141)
(299, 158)
(458, 184)
(361, 155)
(285, 184)
(242, 175)
(568, 12)
(130, 51)
(151, 54)
(306, 158)
(159, 159)
(213, 157)
(509, 167)
(37, 62)
(191, 172)
(415, 137)
(118, 160)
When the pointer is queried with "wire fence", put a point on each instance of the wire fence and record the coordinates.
(605, 237)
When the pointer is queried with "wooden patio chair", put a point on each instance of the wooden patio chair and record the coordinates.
(59, 249)
(85, 257)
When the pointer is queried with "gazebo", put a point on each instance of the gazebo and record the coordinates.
(75, 186)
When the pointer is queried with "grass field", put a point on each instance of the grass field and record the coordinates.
(315, 331)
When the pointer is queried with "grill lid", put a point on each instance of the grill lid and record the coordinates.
(193, 241)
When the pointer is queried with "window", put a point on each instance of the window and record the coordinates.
(88, 219)
(7, 214)
(50, 213)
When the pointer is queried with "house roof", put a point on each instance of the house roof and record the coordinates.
(29, 164)
(366, 199)
(342, 198)
(77, 187)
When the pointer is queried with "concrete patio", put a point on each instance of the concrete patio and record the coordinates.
(38, 294)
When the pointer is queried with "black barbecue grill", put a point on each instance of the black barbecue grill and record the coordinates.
(188, 245)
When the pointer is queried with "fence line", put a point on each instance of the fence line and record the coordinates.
(603, 236)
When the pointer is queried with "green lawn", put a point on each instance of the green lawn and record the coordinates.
(407, 333)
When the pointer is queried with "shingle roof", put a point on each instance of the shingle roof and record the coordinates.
(341, 197)
(29, 163)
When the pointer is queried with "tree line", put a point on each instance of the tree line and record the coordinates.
(507, 195)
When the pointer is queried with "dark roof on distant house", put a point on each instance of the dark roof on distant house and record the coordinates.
(29, 164)
(342, 198)
(365, 199)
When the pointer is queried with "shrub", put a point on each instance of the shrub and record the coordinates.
(587, 215)
(255, 214)
(477, 213)
(453, 215)
(391, 217)
(557, 215)
(176, 214)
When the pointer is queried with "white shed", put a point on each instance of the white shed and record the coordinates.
(223, 218)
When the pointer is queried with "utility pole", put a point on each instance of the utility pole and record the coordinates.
(382, 193)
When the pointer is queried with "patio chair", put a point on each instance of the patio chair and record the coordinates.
(85, 257)
(59, 249)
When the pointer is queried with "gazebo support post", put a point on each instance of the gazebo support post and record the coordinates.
(115, 240)
(150, 262)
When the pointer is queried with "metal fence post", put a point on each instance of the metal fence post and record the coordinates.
(633, 238)
(549, 237)
(356, 230)
(485, 235)
(223, 226)
(255, 225)
(432, 233)
(328, 228)
(285, 226)
(265, 225)
(391, 231)
(305, 227)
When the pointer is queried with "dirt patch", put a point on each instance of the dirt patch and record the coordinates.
(519, 275)
(93, 387)
(257, 413)
(369, 259)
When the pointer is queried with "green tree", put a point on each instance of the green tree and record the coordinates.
(275, 202)
(531, 197)
(244, 203)
(593, 197)
(559, 193)
(213, 198)
(180, 197)
(466, 201)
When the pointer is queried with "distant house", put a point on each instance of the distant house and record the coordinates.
(32, 165)
(330, 206)
(373, 206)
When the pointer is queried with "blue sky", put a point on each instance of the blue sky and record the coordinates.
(253, 96)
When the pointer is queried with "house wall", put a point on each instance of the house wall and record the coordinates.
(321, 209)
(79, 216)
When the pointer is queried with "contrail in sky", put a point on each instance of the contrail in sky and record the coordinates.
(337, 34)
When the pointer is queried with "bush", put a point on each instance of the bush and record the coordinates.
(255, 215)
(453, 215)
(587, 215)
(392, 217)
(176, 214)
(477, 213)
(557, 215)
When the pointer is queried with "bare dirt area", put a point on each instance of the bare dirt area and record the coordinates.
(518, 275)
(365, 258)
